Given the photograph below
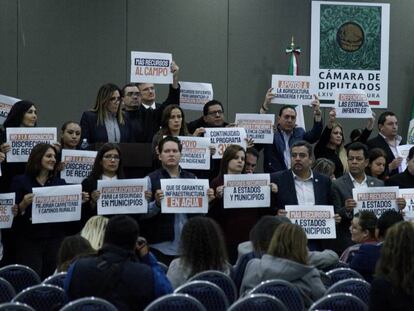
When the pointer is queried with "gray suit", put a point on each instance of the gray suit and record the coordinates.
(342, 190)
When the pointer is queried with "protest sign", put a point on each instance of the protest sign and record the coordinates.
(148, 67)
(375, 199)
(194, 95)
(352, 104)
(23, 139)
(6, 103)
(122, 196)
(6, 204)
(291, 90)
(403, 151)
(184, 196)
(195, 153)
(316, 220)
(78, 165)
(408, 195)
(221, 137)
(246, 190)
(349, 49)
(259, 127)
(56, 204)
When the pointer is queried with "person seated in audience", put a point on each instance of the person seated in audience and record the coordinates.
(70, 135)
(124, 272)
(331, 145)
(233, 163)
(213, 116)
(106, 122)
(376, 165)
(202, 248)
(286, 259)
(393, 285)
(405, 179)
(324, 167)
(72, 247)
(362, 232)
(366, 257)
(94, 231)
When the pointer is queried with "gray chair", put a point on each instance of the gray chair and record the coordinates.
(7, 291)
(221, 279)
(57, 279)
(339, 302)
(20, 276)
(89, 304)
(340, 274)
(210, 295)
(43, 297)
(15, 306)
(176, 302)
(258, 302)
(283, 290)
(357, 287)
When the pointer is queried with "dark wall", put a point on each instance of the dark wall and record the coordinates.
(58, 52)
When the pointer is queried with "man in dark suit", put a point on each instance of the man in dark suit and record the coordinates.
(388, 140)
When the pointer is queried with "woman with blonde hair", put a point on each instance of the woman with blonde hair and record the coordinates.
(94, 231)
(286, 259)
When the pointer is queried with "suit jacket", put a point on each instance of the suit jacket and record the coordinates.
(379, 142)
(286, 194)
(95, 133)
(402, 180)
(342, 190)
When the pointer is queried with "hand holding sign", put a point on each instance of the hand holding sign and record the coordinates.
(350, 204)
(5, 147)
(174, 69)
(332, 118)
(27, 200)
(316, 105)
(268, 98)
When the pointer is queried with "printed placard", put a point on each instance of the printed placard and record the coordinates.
(259, 127)
(352, 104)
(316, 220)
(195, 153)
(7, 200)
(222, 137)
(403, 151)
(246, 190)
(122, 196)
(184, 196)
(408, 195)
(193, 95)
(149, 67)
(56, 204)
(349, 49)
(78, 165)
(375, 199)
(23, 139)
(291, 90)
(6, 103)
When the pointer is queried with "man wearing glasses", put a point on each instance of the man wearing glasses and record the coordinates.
(213, 116)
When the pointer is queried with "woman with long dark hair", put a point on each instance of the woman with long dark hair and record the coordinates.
(377, 164)
(70, 134)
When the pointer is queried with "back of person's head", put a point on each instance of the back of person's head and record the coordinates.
(202, 245)
(262, 232)
(16, 113)
(410, 154)
(210, 103)
(122, 231)
(386, 220)
(324, 167)
(94, 231)
(355, 133)
(71, 248)
(289, 241)
(396, 263)
(356, 146)
(368, 221)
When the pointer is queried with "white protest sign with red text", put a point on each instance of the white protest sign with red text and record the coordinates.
(194, 95)
(195, 153)
(222, 137)
(259, 127)
(148, 67)
(375, 199)
(78, 165)
(7, 200)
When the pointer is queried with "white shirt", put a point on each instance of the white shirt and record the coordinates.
(286, 153)
(304, 189)
(363, 184)
(152, 106)
(104, 177)
(394, 148)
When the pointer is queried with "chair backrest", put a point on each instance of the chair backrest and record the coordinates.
(42, 297)
(221, 279)
(90, 304)
(19, 276)
(357, 287)
(340, 274)
(339, 302)
(57, 279)
(175, 302)
(163, 266)
(15, 306)
(210, 295)
(258, 302)
(7, 291)
(283, 290)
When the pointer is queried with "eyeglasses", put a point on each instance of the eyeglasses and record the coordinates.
(115, 99)
(111, 157)
(130, 94)
(213, 113)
